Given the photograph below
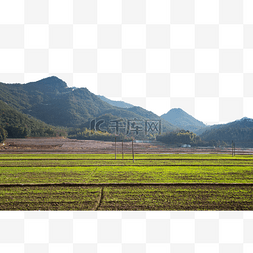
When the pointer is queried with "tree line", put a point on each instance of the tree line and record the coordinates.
(87, 134)
(186, 137)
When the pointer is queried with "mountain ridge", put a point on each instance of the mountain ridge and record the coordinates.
(239, 131)
(183, 120)
(18, 124)
(120, 104)
(53, 102)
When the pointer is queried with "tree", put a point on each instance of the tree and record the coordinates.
(179, 137)
(16, 131)
(3, 134)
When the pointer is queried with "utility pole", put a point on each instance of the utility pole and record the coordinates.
(133, 149)
(122, 150)
(233, 148)
(115, 149)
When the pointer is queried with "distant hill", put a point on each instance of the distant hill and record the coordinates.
(120, 104)
(182, 120)
(52, 101)
(239, 131)
(18, 124)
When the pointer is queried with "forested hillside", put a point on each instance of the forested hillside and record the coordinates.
(26, 109)
(239, 131)
(51, 101)
(120, 104)
(3, 134)
(19, 125)
(183, 120)
(180, 137)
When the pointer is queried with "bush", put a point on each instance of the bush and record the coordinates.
(3, 134)
(179, 137)
(16, 131)
(86, 134)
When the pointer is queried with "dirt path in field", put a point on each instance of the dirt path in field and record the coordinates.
(72, 146)
(100, 199)
(120, 159)
(122, 185)
(131, 165)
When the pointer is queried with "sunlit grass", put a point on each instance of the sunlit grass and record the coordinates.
(104, 169)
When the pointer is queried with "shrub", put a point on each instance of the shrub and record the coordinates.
(3, 134)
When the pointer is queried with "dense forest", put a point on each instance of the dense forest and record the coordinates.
(3, 134)
(239, 131)
(18, 125)
(229, 134)
(179, 137)
(86, 134)
(186, 137)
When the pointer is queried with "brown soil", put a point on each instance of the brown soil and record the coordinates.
(73, 146)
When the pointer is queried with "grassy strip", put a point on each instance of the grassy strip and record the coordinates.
(178, 198)
(122, 165)
(121, 184)
(173, 197)
(121, 162)
(173, 174)
(127, 174)
(120, 159)
(144, 162)
(45, 175)
(49, 198)
(126, 156)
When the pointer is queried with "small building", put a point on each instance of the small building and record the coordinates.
(186, 146)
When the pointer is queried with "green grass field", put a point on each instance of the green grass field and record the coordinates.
(151, 182)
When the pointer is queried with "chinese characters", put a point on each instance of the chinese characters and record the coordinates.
(129, 127)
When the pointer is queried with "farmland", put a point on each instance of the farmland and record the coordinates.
(150, 182)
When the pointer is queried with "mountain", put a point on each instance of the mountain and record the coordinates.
(18, 124)
(52, 101)
(183, 120)
(24, 96)
(120, 104)
(239, 131)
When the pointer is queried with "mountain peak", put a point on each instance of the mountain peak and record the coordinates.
(52, 78)
(182, 119)
(246, 119)
(177, 109)
(52, 82)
